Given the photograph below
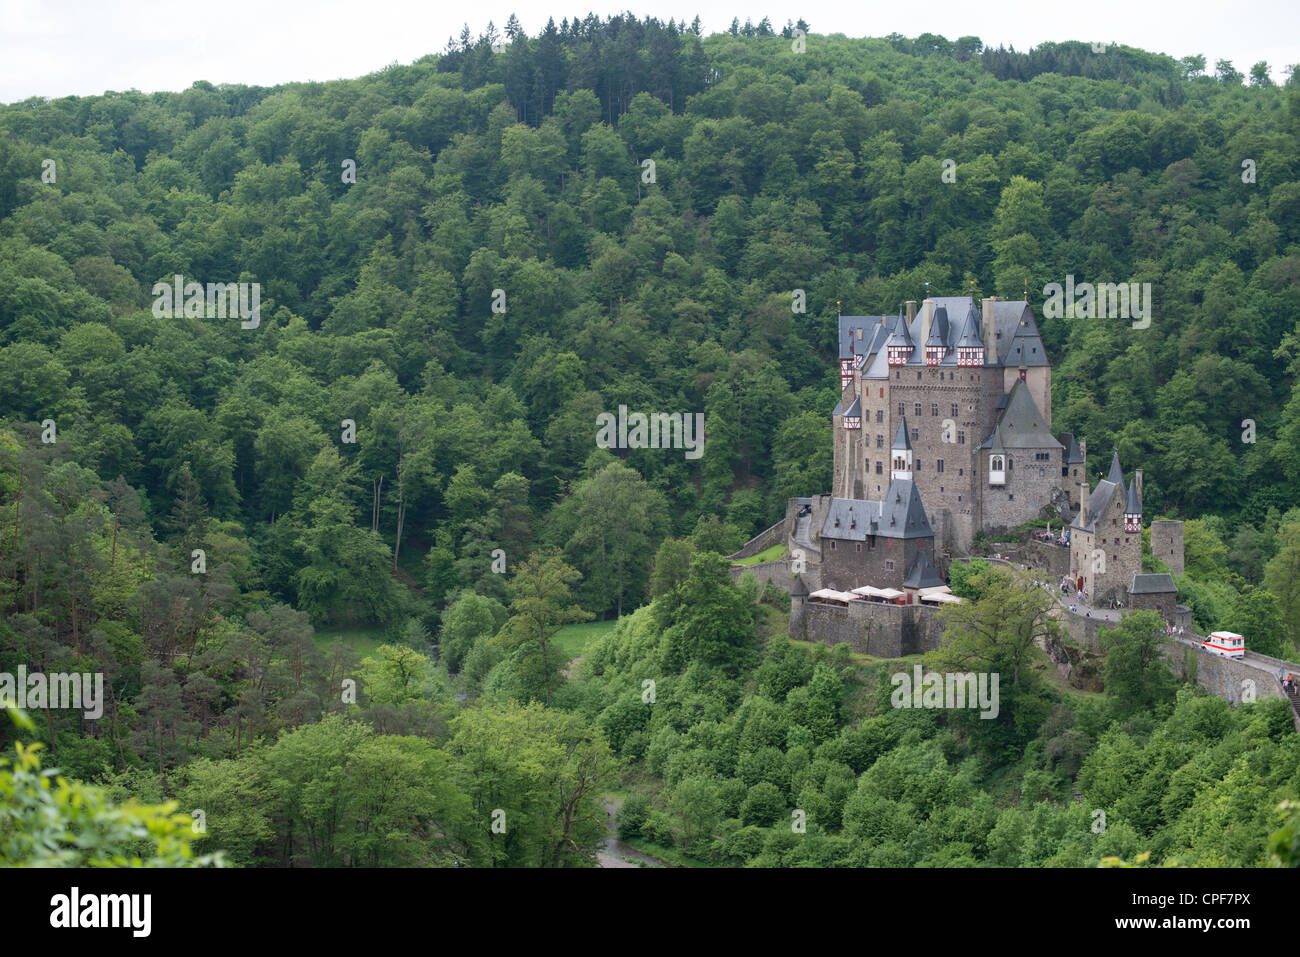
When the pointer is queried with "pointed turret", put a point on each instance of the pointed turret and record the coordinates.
(1133, 509)
(936, 345)
(899, 345)
(1116, 475)
(970, 345)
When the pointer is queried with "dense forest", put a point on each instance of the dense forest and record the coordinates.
(326, 561)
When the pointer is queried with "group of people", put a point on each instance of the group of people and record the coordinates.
(1077, 587)
(1051, 539)
(1288, 683)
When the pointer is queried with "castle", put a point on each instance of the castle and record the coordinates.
(975, 385)
(964, 388)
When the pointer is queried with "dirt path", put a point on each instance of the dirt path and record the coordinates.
(614, 853)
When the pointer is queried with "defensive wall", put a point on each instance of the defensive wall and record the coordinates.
(871, 628)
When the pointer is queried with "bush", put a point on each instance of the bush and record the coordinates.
(632, 816)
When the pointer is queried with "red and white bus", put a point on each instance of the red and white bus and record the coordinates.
(1229, 644)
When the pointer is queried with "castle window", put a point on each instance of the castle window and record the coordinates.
(934, 409)
(918, 465)
(916, 435)
(878, 470)
(902, 409)
(889, 566)
(833, 542)
(961, 472)
(1012, 496)
(880, 416)
(961, 437)
(880, 441)
(882, 391)
(938, 465)
(859, 546)
(997, 470)
(954, 409)
(1042, 473)
(958, 498)
(918, 410)
(918, 375)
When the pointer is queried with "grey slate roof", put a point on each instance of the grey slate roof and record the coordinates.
(855, 408)
(901, 441)
(1152, 584)
(956, 321)
(1133, 506)
(899, 514)
(799, 589)
(1098, 502)
(970, 336)
(1020, 425)
(850, 343)
(1116, 474)
(922, 574)
(1072, 454)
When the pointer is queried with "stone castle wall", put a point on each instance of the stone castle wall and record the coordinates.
(1032, 485)
(763, 540)
(871, 628)
(780, 574)
(1053, 559)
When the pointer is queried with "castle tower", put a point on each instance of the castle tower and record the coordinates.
(1167, 543)
(798, 599)
(1133, 508)
(901, 451)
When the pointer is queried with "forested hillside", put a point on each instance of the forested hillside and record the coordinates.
(462, 263)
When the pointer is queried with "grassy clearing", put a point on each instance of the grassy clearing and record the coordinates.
(766, 555)
(574, 639)
(362, 640)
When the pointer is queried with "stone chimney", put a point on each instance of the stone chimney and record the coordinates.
(988, 332)
(911, 309)
(927, 316)
(1083, 504)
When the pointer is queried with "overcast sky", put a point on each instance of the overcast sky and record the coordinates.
(88, 46)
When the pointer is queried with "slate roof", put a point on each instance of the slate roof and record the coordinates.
(799, 590)
(956, 321)
(1098, 501)
(970, 335)
(899, 514)
(922, 574)
(850, 343)
(1072, 454)
(855, 408)
(901, 441)
(1116, 474)
(1133, 506)
(1020, 425)
(1152, 584)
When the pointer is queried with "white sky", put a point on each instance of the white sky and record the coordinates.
(85, 47)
